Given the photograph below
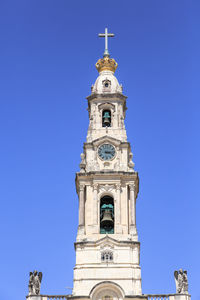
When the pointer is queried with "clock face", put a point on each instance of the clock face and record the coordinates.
(106, 152)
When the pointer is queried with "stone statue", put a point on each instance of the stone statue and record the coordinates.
(181, 282)
(35, 283)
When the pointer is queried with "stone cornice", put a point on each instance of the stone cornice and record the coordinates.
(107, 96)
(107, 177)
(94, 174)
(106, 239)
(108, 138)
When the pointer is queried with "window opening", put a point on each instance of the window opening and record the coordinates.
(106, 118)
(106, 256)
(107, 215)
(107, 298)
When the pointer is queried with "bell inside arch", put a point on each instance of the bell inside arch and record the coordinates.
(106, 118)
(107, 219)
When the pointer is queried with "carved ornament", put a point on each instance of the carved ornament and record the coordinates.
(132, 187)
(107, 188)
(81, 187)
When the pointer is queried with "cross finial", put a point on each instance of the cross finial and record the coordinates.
(106, 35)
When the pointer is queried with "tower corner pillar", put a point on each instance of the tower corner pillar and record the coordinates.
(118, 226)
(95, 204)
(132, 229)
(81, 227)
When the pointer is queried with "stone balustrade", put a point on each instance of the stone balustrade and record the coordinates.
(146, 297)
(169, 297)
(54, 297)
(158, 297)
(48, 297)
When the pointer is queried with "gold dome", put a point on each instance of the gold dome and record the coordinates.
(106, 63)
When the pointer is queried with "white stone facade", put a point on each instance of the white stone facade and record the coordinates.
(107, 260)
(92, 268)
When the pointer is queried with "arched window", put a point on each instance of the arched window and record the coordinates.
(107, 256)
(107, 215)
(106, 118)
(107, 297)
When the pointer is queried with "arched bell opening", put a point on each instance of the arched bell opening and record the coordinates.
(106, 215)
(107, 290)
(106, 118)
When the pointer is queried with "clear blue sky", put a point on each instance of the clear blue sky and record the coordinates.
(48, 49)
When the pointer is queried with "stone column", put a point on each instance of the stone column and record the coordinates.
(95, 204)
(81, 205)
(133, 209)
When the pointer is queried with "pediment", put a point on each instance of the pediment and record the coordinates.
(106, 105)
(106, 139)
(107, 241)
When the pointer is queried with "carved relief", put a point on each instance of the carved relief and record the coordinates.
(106, 188)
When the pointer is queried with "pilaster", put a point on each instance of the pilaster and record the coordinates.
(81, 228)
(118, 227)
(132, 229)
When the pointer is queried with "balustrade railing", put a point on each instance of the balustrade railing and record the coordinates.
(168, 296)
(54, 297)
(159, 297)
(146, 297)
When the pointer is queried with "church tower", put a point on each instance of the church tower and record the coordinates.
(107, 246)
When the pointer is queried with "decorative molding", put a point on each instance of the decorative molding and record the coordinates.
(107, 188)
(132, 187)
(81, 187)
(106, 105)
(118, 186)
(106, 246)
(95, 186)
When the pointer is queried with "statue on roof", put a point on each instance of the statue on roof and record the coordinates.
(35, 283)
(181, 282)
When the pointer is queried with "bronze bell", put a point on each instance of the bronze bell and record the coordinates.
(107, 220)
(106, 118)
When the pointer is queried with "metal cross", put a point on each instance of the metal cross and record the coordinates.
(106, 35)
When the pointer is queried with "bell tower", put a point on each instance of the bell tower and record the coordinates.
(107, 247)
